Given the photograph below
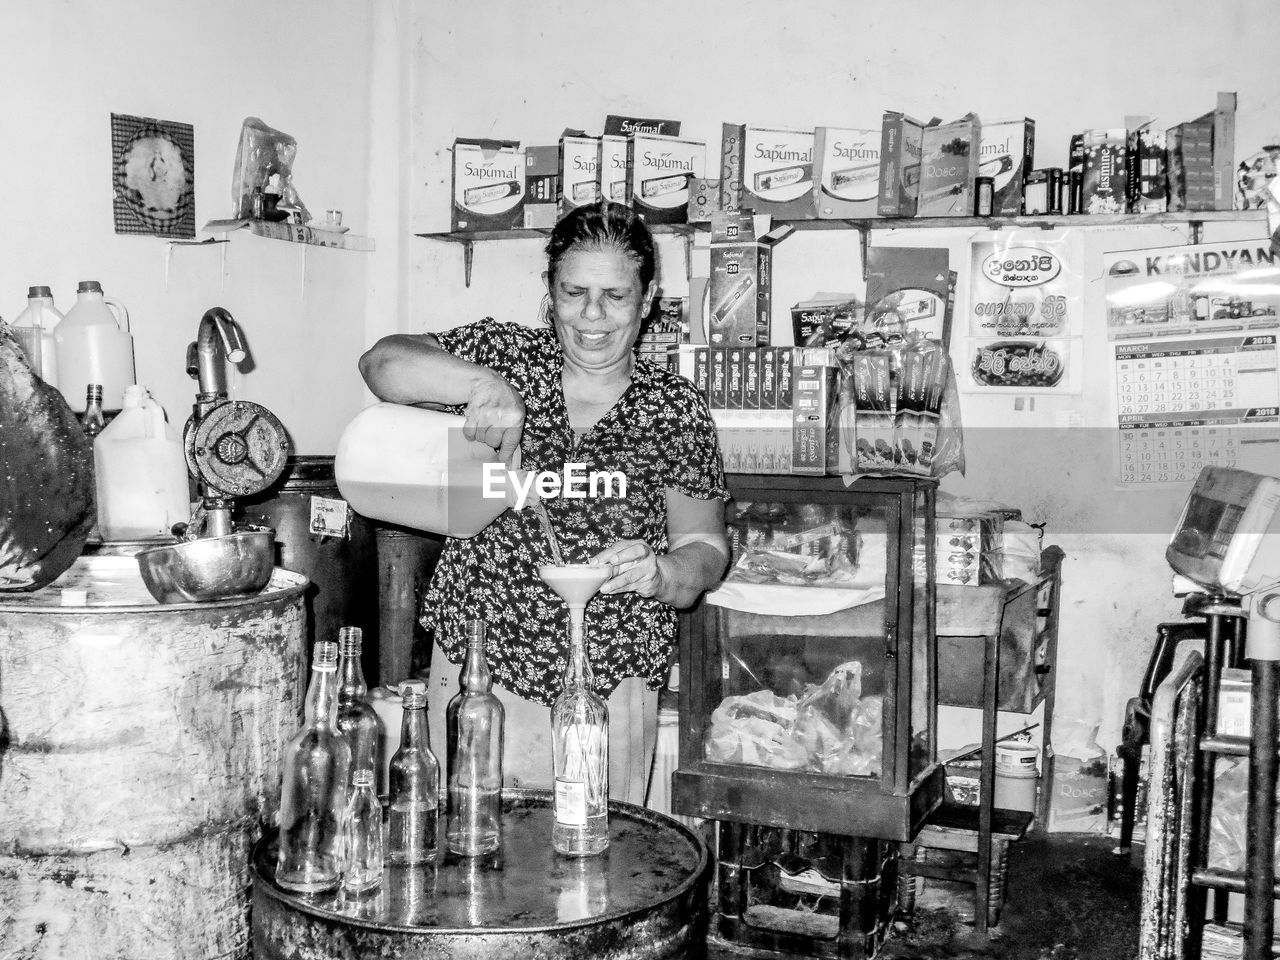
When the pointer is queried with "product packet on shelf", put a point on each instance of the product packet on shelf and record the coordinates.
(579, 170)
(659, 170)
(899, 164)
(873, 412)
(948, 168)
(488, 184)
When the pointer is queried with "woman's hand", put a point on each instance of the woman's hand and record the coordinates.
(635, 568)
(495, 415)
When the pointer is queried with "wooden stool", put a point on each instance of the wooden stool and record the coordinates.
(954, 826)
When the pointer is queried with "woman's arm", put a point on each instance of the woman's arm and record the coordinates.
(409, 368)
(697, 551)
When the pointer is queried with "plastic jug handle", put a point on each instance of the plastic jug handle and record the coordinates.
(116, 305)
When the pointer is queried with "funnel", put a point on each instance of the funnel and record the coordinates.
(576, 583)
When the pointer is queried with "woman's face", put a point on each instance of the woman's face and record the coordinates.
(598, 305)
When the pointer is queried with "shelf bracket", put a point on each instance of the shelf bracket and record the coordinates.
(688, 256)
(468, 255)
(1196, 236)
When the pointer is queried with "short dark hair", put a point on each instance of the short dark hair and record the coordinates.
(603, 224)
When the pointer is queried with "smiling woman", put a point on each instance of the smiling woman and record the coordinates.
(576, 402)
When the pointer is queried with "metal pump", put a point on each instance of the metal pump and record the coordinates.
(234, 448)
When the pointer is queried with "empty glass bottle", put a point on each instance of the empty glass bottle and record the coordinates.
(313, 793)
(473, 721)
(357, 721)
(580, 747)
(362, 835)
(414, 785)
(92, 419)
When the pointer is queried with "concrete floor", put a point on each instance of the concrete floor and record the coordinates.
(1069, 898)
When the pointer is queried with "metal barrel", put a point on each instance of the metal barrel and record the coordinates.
(406, 559)
(139, 756)
(342, 567)
(645, 898)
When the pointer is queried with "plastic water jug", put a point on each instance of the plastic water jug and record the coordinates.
(34, 330)
(141, 472)
(94, 347)
(414, 467)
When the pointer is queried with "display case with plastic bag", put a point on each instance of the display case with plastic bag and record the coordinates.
(808, 694)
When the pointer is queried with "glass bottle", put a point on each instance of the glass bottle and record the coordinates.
(473, 721)
(580, 746)
(362, 835)
(93, 420)
(313, 793)
(357, 721)
(414, 785)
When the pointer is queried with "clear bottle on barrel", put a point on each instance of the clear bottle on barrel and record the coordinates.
(473, 722)
(362, 848)
(580, 747)
(357, 721)
(313, 793)
(93, 421)
(414, 785)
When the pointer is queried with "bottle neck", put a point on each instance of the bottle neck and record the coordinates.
(475, 669)
(577, 673)
(413, 729)
(352, 686)
(320, 695)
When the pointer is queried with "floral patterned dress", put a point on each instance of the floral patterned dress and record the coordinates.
(658, 435)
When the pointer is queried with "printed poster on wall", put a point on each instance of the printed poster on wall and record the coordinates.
(1024, 315)
(1194, 339)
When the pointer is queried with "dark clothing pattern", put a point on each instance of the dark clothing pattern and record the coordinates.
(658, 435)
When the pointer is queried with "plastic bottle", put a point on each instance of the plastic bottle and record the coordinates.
(94, 347)
(474, 721)
(414, 467)
(141, 472)
(313, 790)
(34, 330)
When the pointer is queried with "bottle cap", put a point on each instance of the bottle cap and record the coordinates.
(89, 286)
(33, 292)
(349, 639)
(413, 694)
(325, 655)
(362, 778)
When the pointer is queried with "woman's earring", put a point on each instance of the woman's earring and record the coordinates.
(544, 310)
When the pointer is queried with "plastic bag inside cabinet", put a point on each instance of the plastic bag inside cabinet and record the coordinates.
(264, 164)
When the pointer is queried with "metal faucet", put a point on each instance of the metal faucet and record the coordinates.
(218, 341)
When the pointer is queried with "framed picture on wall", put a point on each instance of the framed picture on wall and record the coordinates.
(153, 176)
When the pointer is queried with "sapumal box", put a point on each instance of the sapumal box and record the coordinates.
(488, 184)
(900, 138)
(846, 177)
(948, 167)
(1006, 155)
(777, 172)
(613, 168)
(579, 171)
(660, 168)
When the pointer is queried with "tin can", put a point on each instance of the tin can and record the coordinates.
(1074, 187)
(1053, 176)
(984, 192)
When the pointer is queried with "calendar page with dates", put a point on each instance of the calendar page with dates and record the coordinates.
(1196, 380)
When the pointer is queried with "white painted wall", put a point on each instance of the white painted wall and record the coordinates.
(303, 66)
(510, 70)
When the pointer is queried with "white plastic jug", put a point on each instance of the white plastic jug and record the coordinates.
(413, 467)
(94, 347)
(141, 472)
(34, 330)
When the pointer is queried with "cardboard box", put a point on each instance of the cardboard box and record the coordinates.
(1006, 154)
(1146, 180)
(900, 145)
(783, 366)
(814, 412)
(658, 175)
(777, 171)
(1190, 147)
(660, 341)
(1079, 800)
(704, 199)
(741, 281)
(948, 167)
(731, 167)
(613, 168)
(1103, 189)
(819, 323)
(488, 185)
(913, 284)
(579, 171)
(620, 126)
(846, 179)
(542, 186)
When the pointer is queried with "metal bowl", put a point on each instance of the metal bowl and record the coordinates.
(212, 568)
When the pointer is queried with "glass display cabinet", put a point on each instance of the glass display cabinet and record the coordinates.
(808, 693)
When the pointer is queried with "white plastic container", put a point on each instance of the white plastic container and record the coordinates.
(34, 329)
(413, 467)
(141, 472)
(94, 347)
